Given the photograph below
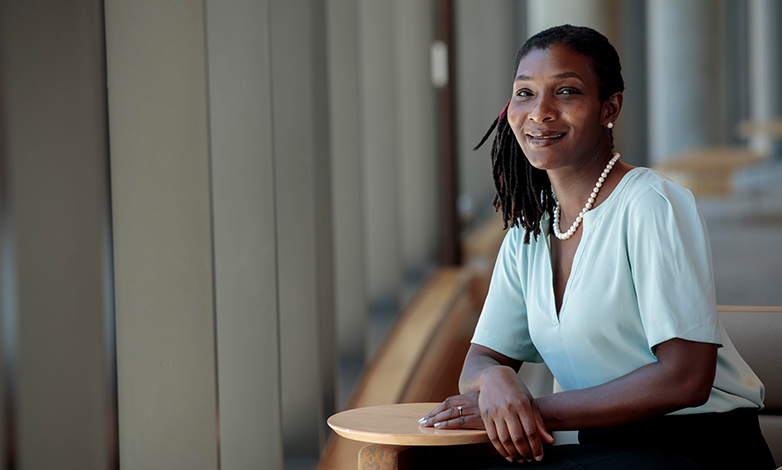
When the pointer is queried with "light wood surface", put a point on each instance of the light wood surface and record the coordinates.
(772, 129)
(708, 170)
(398, 425)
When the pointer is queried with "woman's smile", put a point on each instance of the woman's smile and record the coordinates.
(537, 138)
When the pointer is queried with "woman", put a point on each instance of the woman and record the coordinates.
(619, 302)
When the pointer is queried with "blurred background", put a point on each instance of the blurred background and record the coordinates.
(213, 212)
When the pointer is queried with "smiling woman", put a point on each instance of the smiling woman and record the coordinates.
(621, 306)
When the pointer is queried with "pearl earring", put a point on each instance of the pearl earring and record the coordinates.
(610, 125)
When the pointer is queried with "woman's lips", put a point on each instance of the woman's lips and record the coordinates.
(543, 139)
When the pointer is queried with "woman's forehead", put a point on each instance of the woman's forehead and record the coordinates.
(556, 61)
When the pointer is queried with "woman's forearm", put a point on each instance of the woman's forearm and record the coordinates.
(479, 360)
(682, 377)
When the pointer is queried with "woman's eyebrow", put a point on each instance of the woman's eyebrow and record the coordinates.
(568, 75)
(523, 77)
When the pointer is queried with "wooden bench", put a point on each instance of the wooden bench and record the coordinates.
(708, 171)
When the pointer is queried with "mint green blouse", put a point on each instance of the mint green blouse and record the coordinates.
(642, 274)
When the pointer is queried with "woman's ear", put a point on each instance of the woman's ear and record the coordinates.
(612, 106)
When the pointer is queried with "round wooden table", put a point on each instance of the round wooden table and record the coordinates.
(398, 425)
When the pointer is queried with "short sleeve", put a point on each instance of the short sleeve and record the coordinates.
(670, 259)
(503, 325)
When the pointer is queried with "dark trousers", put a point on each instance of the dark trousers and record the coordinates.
(710, 441)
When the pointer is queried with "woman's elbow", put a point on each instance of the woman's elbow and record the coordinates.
(695, 390)
(700, 394)
(691, 369)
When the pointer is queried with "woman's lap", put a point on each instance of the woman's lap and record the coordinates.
(588, 457)
(713, 441)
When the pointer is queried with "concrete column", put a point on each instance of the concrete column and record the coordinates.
(484, 62)
(765, 64)
(164, 271)
(303, 199)
(244, 228)
(631, 133)
(417, 130)
(351, 308)
(380, 148)
(686, 76)
(737, 73)
(53, 247)
(601, 15)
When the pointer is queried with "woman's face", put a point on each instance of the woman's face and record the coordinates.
(556, 112)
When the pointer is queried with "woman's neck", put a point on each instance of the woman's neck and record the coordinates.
(573, 187)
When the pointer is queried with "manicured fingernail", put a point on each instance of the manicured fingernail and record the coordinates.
(539, 458)
(437, 425)
(509, 459)
(421, 421)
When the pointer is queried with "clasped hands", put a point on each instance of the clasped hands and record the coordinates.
(505, 408)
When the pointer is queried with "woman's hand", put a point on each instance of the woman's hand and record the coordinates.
(456, 412)
(511, 416)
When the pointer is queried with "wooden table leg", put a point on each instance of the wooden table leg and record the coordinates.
(391, 457)
(380, 457)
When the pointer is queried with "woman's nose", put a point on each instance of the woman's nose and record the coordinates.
(543, 110)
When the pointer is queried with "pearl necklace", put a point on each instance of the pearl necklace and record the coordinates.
(590, 201)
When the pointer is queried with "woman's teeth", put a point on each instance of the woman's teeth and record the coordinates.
(552, 136)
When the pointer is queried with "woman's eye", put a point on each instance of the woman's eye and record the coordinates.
(569, 91)
(523, 93)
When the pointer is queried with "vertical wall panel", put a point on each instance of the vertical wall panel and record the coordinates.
(378, 59)
(54, 138)
(484, 62)
(418, 160)
(244, 234)
(346, 181)
(301, 159)
(162, 234)
(8, 308)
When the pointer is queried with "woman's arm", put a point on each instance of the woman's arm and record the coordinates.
(479, 359)
(682, 377)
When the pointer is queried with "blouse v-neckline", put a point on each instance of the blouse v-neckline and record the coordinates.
(589, 219)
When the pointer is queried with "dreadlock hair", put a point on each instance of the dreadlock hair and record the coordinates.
(523, 192)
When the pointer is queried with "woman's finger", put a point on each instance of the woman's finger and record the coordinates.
(453, 413)
(528, 439)
(450, 409)
(491, 431)
(517, 438)
(461, 422)
(437, 410)
(504, 437)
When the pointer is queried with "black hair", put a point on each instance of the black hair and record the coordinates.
(523, 192)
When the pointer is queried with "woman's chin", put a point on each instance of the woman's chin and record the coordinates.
(541, 160)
